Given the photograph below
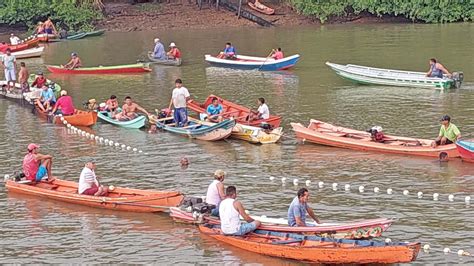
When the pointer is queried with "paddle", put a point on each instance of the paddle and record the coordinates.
(268, 56)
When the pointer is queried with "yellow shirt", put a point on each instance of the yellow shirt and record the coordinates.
(451, 132)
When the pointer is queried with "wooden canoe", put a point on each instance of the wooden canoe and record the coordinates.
(29, 53)
(197, 129)
(44, 37)
(317, 249)
(254, 63)
(466, 150)
(230, 109)
(136, 123)
(168, 62)
(16, 48)
(27, 44)
(326, 134)
(256, 135)
(80, 118)
(119, 69)
(363, 229)
(121, 199)
(81, 35)
(261, 8)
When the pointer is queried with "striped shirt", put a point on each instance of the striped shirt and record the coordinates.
(87, 180)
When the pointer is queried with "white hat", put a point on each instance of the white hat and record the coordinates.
(172, 44)
(63, 92)
(102, 105)
(157, 40)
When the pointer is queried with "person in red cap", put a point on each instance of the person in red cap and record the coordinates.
(37, 165)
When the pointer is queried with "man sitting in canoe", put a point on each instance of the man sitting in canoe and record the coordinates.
(129, 110)
(214, 111)
(49, 27)
(64, 105)
(36, 165)
(23, 78)
(230, 211)
(40, 81)
(75, 62)
(159, 51)
(111, 105)
(298, 208)
(174, 53)
(437, 70)
(262, 112)
(448, 133)
(215, 191)
(89, 183)
(228, 53)
(179, 99)
(277, 54)
(47, 99)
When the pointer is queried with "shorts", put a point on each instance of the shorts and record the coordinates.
(215, 212)
(49, 31)
(246, 228)
(10, 75)
(180, 116)
(25, 87)
(447, 142)
(90, 191)
(41, 173)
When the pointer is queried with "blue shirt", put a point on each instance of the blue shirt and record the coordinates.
(159, 52)
(297, 209)
(214, 110)
(229, 50)
(48, 95)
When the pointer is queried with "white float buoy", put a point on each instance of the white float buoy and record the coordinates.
(96, 138)
(426, 247)
(68, 126)
(283, 179)
(361, 189)
(347, 187)
(61, 117)
(451, 197)
(117, 144)
(376, 190)
(435, 196)
(129, 148)
(308, 182)
(320, 184)
(6, 177)
(446, 250)
(135, 149)
(420, 194)
(271, 177)
(334, 186)
(123, 146)
(140, 151)
(460, 252)
(295, 181)
(101, 139)
(388, 240)
(111, 143)
(83, 133)
(406, 192)
(467, 199)
(88, 135)
(389, 191)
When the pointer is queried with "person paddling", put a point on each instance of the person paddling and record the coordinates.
(36, 166)
(230, 211)
(228, 53)
(298, 208)
(174, 53)
(75, 62)
(277, 54)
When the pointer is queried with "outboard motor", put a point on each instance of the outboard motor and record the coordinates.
(197, 207)
(458, 78)
(266, 126)
(376, 133)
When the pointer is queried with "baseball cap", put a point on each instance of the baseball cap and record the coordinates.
(445, 118)
(63, 92)
(32, 146)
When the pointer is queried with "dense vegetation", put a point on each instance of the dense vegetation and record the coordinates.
(69, 14)
(431, 11)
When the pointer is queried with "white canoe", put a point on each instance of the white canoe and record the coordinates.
(28, 53)
(390, 77)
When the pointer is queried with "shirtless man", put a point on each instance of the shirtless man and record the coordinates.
(129, 110)
(23, 78)
(49, 27)
(75, 62)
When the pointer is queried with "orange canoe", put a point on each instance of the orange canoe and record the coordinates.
(261, 8)
(25, 45)
(317, 249)
(80, 118)
(326, 134)
(230, 109)
(121, 199)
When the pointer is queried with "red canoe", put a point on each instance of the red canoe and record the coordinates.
(230, 109)
(326, 134)
(466, 150)
(121, 199)
(350, 230)
(23, 46)
(120, 69)
(317, 249)
(261, 8)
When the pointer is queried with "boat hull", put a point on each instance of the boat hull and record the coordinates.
(318, 250)
(177, 62)
(256, 135)
(47, 37)
(121, 199)
(326, 134)
(136, 123)
(29, 53)
(254, 63)
(82, 35)
(79, 118)
(202, 131)
(466, 150)
(122, 69)
(263, 8)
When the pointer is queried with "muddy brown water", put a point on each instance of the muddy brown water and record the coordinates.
(41, 231)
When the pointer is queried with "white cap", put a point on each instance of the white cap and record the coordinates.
(102, 105)
(157, 40)
(172, 44)
(63, 92)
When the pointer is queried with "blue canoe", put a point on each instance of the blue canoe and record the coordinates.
(254, 63)
(81, 35)
(138, 122)
(199, 130)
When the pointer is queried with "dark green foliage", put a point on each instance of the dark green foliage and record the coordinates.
(430, 11)
(70, 14)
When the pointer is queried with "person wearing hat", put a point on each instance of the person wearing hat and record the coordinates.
(64, 105)
(89, 182)
(215, 191)
(14, 40)
(46, 100)
(39, 81)
(36, 165)
(448, 133)
(9, 67)
(159, 51)
(174, 52)
(298, 209)
(75, 62)
(40, 28)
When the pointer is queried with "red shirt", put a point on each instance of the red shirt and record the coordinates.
(65, 104)
(39, 82)
(176, 53)
(30, 166)
(278, 55)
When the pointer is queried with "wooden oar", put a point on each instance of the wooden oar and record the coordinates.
(265, 60)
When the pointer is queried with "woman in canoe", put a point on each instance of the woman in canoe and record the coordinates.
(215, 191)
(75, 62)
(89, 183)
(174, 53)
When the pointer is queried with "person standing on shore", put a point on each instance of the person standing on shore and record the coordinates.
(159, 51)
(179, 99)
(9, 66)
(23, 78)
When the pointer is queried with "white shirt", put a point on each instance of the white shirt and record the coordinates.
(14, 40)
(179, 97)
(230, 218)
(87, 180)
(263, 111)
(212, 196)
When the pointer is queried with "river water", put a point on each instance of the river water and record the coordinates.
(41, 231)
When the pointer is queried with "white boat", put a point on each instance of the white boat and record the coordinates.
(400, 78)
(28, 53)
(254, 63)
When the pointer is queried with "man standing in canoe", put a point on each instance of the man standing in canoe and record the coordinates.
(75, 62)
(36, 165)
(298, 208)
(179, 99)
(437, 70)
(129, 110)
(89, 183)
(230, 211)
(23, 78)
(159, 51)
(174, 53)
(448, 133)
(228, 53)
(262, 112)
(9, 66)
